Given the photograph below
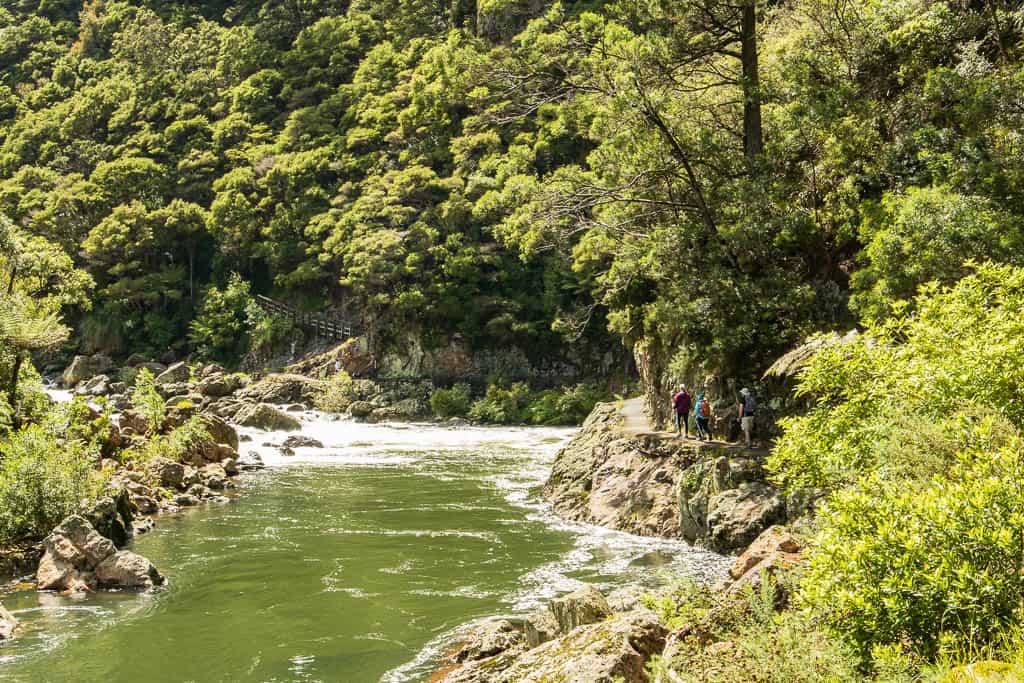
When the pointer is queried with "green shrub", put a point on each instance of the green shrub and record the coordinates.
(942, 229)
(147, 402)
(568, 406)
(269, 332)
(960, 353)
(454, 402)
(938, 566)
(503, 406)
(222, 327)
(43, 479)
(336, 394)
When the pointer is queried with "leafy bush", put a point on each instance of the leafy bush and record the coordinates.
(503, 406)
(454, 402)
(961, 353)
(941, 229)
(147, 402)
(32, 401)
(267, 331)
(939, 566)
(221, 329)
(568, 406)
(337, 393)
(43, 479)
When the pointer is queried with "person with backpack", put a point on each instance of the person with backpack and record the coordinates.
(702, 416)
(681, 406)
(747, 407)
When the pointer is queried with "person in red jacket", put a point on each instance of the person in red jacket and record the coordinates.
(681, 407)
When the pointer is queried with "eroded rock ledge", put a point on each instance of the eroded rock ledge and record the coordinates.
(650, 484)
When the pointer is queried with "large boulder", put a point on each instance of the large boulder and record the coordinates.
(86, 367)
(738, 516)
(302, 442)
(220, 431)
(219, 384)
(94, 386)
(540, 628)
(76, 558)
(250, 461)
(616, 649)
(133, 422)
(125, 569)
(173, 392)
(488, 640)
(170, 474)
(267, 417)
(213, 476)
(7, 624)
(361, 410)
(70, 555)
(581, 607)
(177, 373)
(283, 388)
(353, 354)
(774, 539)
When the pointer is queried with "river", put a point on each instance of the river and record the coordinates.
(355, 562)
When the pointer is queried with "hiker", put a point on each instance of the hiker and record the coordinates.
(702, 416)
(681, 405)
(746, 407)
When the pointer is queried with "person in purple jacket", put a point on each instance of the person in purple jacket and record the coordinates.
(681, 407)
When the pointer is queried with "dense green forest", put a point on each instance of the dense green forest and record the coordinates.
(702, 183)
(706, 185)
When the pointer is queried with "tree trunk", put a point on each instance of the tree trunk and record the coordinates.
(753, 135)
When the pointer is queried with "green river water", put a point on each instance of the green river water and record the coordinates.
(353, 563)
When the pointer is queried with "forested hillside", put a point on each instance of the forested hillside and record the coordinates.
(708, 180)
(701, 185)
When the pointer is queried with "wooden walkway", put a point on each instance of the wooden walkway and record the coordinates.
(323, 325)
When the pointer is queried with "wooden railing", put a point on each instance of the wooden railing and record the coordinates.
(327, 326)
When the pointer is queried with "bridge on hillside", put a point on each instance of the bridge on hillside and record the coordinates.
(325, 325)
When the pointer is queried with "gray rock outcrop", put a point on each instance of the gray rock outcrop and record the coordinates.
(86, 367)
(715, 495)
(112, 517)
(598, 647)
(175, 374)
(267, 417)
(282, 388)
(78, 558)
(581, 607)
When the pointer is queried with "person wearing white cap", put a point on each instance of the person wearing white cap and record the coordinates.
(747, 407)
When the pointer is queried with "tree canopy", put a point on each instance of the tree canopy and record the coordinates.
(706, 181)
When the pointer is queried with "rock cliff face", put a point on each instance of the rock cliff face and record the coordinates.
(578, 639)
(714, 495)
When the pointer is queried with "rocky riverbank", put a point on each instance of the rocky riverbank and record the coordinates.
(587, 637)
(263, 402)
(714, 495)
(611, 474)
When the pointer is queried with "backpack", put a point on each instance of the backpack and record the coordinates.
(704, 408)
(749, 404)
